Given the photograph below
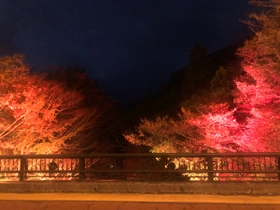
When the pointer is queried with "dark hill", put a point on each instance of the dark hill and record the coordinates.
(182, 85)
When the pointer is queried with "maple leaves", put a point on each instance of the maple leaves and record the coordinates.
(259, 92)
(41, 116)
(160, 135)
(218, 127)
(250, 122)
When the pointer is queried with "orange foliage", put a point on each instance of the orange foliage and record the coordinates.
(40, 116)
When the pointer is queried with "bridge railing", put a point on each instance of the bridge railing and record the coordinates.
(144, 167)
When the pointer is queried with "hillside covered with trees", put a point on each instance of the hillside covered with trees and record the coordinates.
(236, 110)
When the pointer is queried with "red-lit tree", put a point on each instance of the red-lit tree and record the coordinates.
(40, 116)
(206, 123)
(258, 94)
(252, 122)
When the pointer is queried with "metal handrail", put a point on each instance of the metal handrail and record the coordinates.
(100, 155)
(207, 166)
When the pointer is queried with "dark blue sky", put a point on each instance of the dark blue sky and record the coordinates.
(130, 47)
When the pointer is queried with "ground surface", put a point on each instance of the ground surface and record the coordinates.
(94, 201)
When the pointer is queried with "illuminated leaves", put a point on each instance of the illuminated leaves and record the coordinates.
(218, 127)
(41, 116)
(213, 121)
(155, 134)
(259, 93)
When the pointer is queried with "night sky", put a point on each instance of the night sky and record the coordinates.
(130, 47)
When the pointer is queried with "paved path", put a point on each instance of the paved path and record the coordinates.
(183, 198)
(86, 201)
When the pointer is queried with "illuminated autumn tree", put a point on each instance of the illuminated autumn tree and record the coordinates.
(258, 95)
(102, 109)
(206, 123)
(211, 128)
(41, 116)
(164, 135)
(250, 120)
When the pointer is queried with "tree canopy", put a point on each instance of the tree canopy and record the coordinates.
(240, 111)
(41, 115)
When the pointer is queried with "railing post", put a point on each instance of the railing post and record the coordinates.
(210, 168)
(145, 176)
(278, 167)
(81, 168)
(22, 171)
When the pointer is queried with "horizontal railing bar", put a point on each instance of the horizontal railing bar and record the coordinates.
(147, 171)
(144, 155)
(11, 172)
